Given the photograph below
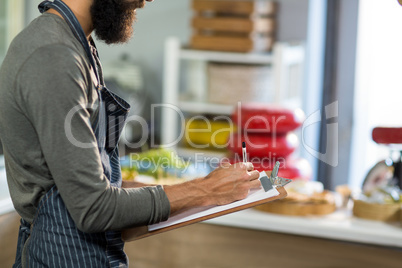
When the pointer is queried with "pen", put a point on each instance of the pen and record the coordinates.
(244, 152)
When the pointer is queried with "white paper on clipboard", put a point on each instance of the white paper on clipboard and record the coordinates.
(254, 195)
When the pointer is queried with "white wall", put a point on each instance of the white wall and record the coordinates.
(292, 20)
(378, 83)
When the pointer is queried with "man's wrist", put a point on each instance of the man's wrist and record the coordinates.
(187, 195)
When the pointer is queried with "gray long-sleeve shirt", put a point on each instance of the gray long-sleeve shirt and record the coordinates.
(44, 75)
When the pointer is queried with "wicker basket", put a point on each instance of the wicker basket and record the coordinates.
(378, 212)
(229, 83)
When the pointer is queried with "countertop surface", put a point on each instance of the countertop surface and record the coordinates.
(340, 225)
(5, 201)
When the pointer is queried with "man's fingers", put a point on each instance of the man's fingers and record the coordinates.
(248, 165)
(224, 164)
(255, 184)
(254, 174)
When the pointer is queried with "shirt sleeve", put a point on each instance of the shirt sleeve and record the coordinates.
(53, 86)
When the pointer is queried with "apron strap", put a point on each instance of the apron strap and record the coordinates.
(23, 234)
(74, 25)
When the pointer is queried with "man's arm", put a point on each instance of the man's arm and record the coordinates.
(53, 84)
(135, 184)
(224, 185)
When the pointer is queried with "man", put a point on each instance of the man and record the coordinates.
(64, 178)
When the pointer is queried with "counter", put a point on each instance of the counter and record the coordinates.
(6, 205)
(340, 225)
(5, 201)
(213, 245)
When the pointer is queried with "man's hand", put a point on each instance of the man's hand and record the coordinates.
(224, 185)
(230, 183)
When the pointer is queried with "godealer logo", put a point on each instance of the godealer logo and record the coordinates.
(330, 157)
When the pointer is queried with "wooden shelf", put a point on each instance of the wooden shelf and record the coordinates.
(205, 108)
(190, 153)
(250, 58)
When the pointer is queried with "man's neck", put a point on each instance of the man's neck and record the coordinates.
(81, 9)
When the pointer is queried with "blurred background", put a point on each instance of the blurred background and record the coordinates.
(195, 72)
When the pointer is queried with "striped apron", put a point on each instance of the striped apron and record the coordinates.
(52, 239)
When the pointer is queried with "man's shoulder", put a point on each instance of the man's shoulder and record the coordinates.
(47, 34)
(56, 55)
(54, 62)
(43, 54)
(49, 28)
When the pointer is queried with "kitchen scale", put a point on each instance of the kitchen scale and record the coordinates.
(387, 172)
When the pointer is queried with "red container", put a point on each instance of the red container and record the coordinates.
(295, 169)
(263, 145)
(387, 135)
(258, 117)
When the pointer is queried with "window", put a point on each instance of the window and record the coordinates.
(378, 90)
(11, 22)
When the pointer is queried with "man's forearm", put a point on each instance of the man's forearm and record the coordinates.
(187, 195)
(181, 196)
(134, 184)
(222, 186)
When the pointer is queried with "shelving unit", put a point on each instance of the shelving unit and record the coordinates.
(204, 107)
(283, 60)
(254, 58)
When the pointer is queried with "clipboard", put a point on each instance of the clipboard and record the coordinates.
(137, 233)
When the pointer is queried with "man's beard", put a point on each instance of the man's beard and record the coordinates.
(113, 19)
